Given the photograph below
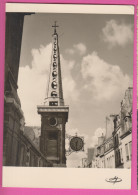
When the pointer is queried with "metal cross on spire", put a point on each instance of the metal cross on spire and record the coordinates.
(55, 26)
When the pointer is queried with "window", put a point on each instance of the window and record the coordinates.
(127, 154)
(130, 150)
(117, 139)
(54, 94)
(121, 155)
(60, 120)
(54, 73)
(53, 136)
(127, 123)
(109, 161)
(54, 103)
(54, 65)
(54, 85)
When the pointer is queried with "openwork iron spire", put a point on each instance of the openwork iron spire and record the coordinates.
(55, 93)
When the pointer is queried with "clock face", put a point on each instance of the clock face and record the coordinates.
(52, 121)
(76, 143)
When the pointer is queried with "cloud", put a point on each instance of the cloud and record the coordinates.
(33, 82)
(70, 51)
(98, 133)
(105, 81)
(79, 48)
(41, 59)
(117, 34)
(70, 90)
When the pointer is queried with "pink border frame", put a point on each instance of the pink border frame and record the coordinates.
(35, 191)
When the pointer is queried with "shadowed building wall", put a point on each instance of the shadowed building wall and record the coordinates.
(18, 150)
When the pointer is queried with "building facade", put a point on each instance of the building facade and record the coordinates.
(117, 141)
(18, 149)
(109, 156)
(114, 148)
(126, 133)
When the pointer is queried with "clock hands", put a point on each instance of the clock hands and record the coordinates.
(76, 143)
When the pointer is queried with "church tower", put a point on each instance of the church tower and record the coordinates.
(54, 114)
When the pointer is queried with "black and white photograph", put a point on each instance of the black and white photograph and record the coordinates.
(68, 90)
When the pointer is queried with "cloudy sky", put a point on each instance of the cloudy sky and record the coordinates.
(97, 67)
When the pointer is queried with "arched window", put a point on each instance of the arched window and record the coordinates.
(54, 85)
(54, 94)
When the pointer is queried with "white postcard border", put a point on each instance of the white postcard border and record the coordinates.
(70, 8)
(77, 178)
